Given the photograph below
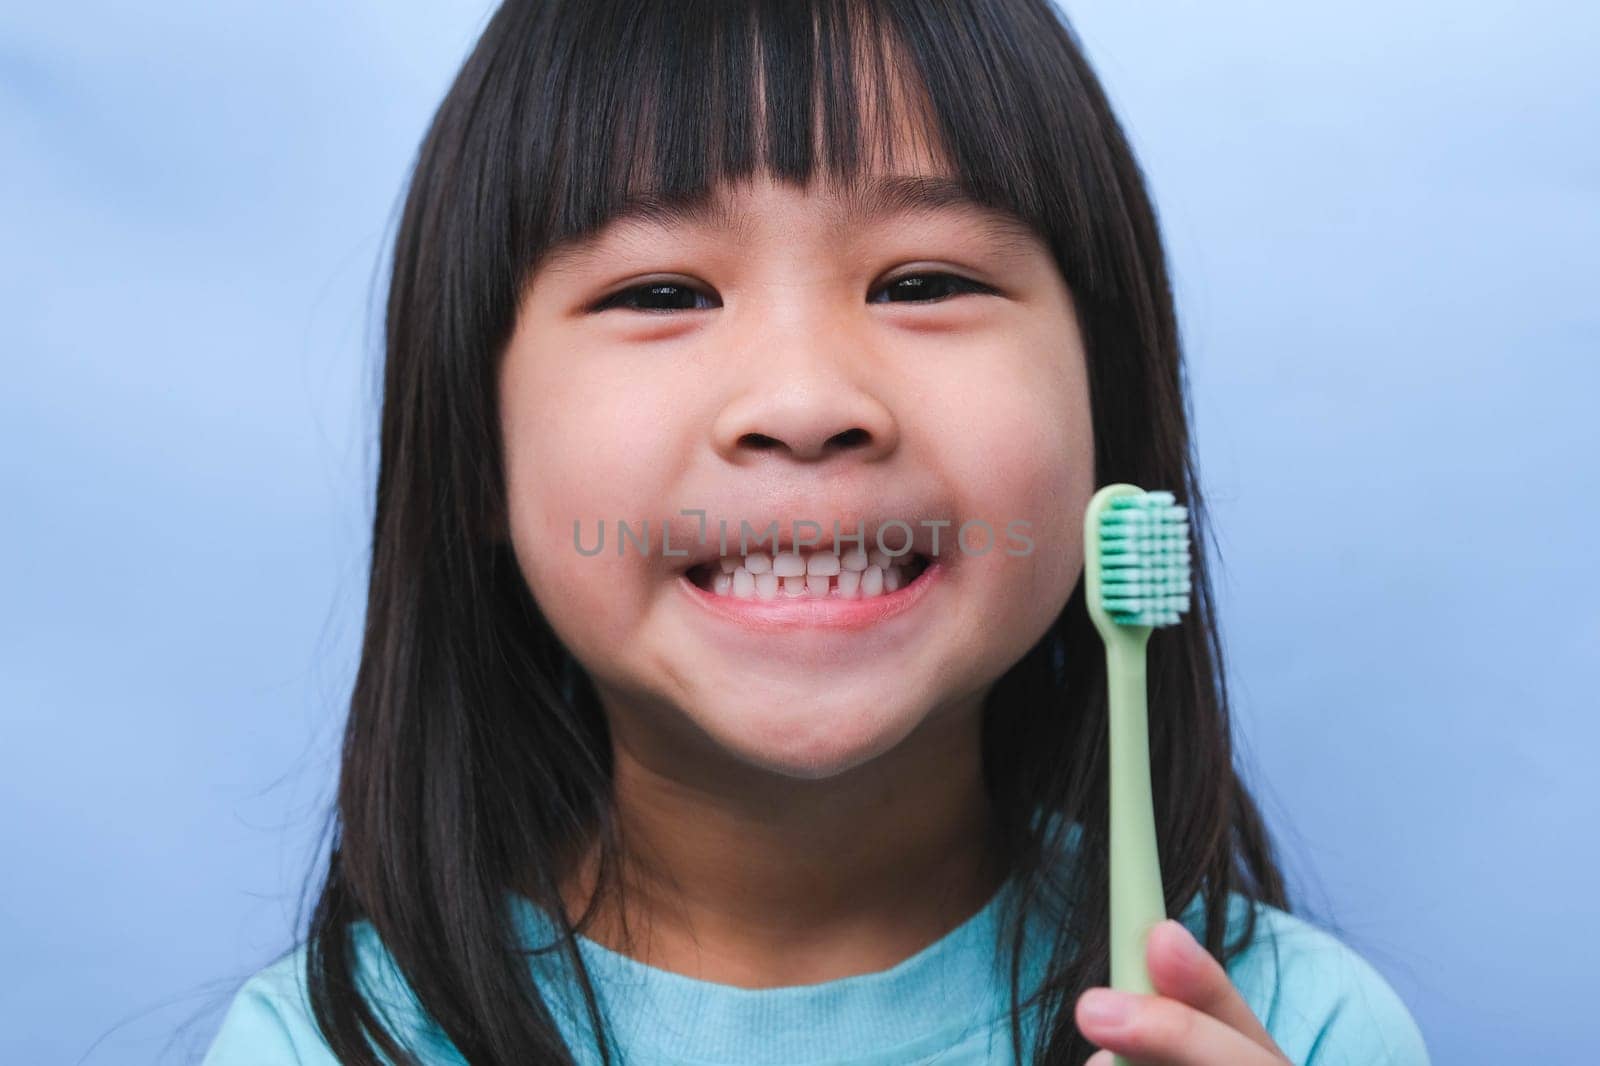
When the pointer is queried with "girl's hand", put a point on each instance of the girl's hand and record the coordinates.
(1197, 1017)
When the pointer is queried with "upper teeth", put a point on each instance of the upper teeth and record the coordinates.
(818, 572)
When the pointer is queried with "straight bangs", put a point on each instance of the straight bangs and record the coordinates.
(654, 106)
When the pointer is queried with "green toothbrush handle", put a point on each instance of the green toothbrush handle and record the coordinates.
(1137, 901)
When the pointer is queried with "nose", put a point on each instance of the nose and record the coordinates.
(809, 416)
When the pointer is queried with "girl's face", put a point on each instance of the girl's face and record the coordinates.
(786, 374)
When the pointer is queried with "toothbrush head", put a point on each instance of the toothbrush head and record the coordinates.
(1136, 559)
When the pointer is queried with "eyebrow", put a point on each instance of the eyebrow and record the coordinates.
(861, 202)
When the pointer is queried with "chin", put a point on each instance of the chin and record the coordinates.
(811, 738)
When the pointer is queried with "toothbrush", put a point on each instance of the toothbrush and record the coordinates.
(1136, 569)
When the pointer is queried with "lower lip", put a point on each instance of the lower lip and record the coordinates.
(816, 612)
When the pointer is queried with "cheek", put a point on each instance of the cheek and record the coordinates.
(587, 439)
(579, 450)
(1037, 497)
(1026, 454)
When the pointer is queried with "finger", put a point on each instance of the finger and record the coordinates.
(1182, 969)
(1159, 1031)
(1099, 1058)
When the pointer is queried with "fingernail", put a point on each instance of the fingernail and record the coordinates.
(1104, 1006)
(1188, 946)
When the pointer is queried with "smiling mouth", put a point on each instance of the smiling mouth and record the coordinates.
(819, 575)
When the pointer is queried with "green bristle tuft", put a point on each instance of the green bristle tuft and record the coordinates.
(1144, 559)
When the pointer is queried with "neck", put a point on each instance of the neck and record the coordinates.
(754, 879)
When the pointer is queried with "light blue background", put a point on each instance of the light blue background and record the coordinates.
(1382, 221)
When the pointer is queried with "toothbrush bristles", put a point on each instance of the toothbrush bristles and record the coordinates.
(1145, 572)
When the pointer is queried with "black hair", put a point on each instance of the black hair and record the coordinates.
(476, 757)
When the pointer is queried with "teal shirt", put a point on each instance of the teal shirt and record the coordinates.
(947, 1004)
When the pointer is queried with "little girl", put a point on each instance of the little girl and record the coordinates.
(727, 694)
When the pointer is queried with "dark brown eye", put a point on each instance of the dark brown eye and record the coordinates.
(654, 296)
(660, 296)
(928, 288)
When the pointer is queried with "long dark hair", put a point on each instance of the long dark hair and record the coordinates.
(476, 758)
